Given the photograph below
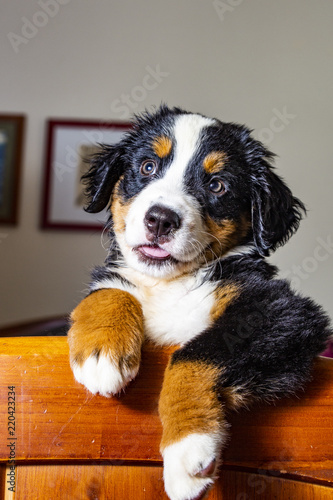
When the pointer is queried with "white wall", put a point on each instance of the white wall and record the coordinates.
(243, 61)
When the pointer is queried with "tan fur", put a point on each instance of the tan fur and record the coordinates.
(228, 234)
(110, 322)
(189, 402)
(223, 297)
(119, 210)
(235, 397)
(162, 146)
(214, 162)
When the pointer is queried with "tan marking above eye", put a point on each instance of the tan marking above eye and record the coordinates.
(162, 146)
(214, 162)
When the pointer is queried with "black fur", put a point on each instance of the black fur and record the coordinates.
(267, 338)
(257, 337)
(276, 214)
(252, 186)
(105, 169)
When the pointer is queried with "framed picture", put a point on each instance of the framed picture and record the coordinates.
(11, 148)
(69, 144)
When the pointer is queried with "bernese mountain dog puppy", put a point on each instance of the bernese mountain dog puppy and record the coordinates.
(195, 207)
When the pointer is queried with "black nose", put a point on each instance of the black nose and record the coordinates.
(160, 221)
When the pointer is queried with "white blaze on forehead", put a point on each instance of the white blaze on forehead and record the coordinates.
(168, 191)
(187, 130)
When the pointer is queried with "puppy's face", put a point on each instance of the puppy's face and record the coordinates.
(182, 200)
(186, 189)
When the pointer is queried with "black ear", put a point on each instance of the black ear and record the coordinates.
(276, 213)
(106, 167)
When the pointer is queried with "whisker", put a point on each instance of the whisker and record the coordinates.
(217, 258)
(105, 238)
(201, 250)
(212, 236)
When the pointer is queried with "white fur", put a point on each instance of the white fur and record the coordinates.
(177, 311)
(240, 250)
(174, 311)
(103, 376)
(112, 283)
(168, 191)
(187, 131)
(184, 246)
(186, 458)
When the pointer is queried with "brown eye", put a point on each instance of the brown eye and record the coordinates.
(216, 186)
(148, 167)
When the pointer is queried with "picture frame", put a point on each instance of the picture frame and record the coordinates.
(11, 153)
(68, 144)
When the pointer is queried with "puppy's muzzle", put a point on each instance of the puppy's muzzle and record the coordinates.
(161, 223)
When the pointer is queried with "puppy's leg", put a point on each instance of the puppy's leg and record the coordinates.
(258, 350)
(194, 428)
(105, 340)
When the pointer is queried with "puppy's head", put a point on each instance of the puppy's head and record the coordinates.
(184, 189)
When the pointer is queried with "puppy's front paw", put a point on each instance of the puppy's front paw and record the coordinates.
(190, 466)
(105, 375)
(105, 341)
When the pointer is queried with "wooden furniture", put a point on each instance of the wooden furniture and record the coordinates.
(69, 444)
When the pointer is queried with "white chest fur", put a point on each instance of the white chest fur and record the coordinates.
(178, 311)
(174, 311)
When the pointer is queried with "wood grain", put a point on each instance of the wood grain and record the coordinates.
(58, 420)
(103, 482)
(235, 485)
(90, 482)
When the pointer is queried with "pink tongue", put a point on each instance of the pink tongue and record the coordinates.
(155, 252)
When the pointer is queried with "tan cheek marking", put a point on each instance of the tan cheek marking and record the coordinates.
(228, 234)
(119, 210)
(189, 402)
(162, 146)
(223, 297)
(214, 162)
(106, 321)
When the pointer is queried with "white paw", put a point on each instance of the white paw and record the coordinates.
(103, 376)
(190, 465)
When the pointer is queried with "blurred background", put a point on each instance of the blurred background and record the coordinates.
(261, 62)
